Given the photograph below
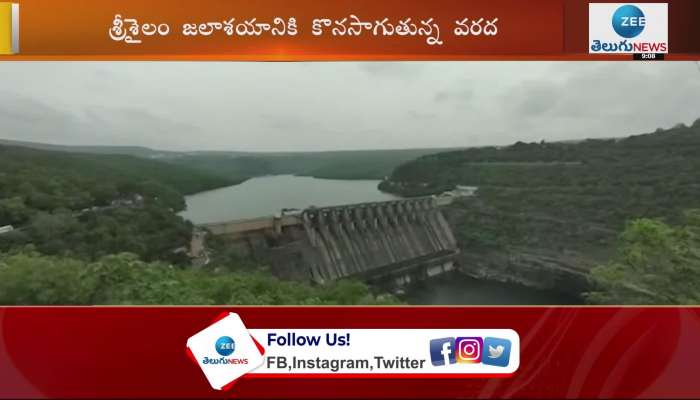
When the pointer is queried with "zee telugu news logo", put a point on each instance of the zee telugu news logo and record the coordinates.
(469, 350)
(225, 346)
(628, 28)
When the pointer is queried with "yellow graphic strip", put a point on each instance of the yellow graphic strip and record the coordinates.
(9, 28)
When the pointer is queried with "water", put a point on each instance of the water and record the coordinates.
(455, 288)
(264, 196)
(267, 195)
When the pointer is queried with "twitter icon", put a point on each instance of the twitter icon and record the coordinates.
(496, 352)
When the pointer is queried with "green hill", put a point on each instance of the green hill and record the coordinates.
(559, 203)
(126, 150)
(359, 164)
(89, 205)
(49, 180)
(237, 165)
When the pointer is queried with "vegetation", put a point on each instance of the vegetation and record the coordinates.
(369, 164)
(151, 232)
(88, 206)
(560, 202)
(656, 264)
(601, 182)
(28, 278)
(238, 166)
(36, 180)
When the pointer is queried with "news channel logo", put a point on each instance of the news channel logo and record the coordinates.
(628, 28)
(225, 346)
(470, 350)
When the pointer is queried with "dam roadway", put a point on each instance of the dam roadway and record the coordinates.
(402, 240)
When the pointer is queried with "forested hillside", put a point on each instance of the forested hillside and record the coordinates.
(656, 263)
(90, 205)
(370, 164)
(560, 203)
(238, 166)
(49, 180)
(30, 278)
(124, 150)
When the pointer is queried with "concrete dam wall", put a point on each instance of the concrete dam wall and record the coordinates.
(377, 240)
(370, 239)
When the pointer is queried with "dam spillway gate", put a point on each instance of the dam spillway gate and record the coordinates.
(391, 239)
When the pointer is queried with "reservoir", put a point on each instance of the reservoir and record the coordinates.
(258, 197)
(267, 195)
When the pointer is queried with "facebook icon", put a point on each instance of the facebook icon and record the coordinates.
(442, 351)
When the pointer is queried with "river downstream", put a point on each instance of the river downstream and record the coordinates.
(264, 196)
(456, 288)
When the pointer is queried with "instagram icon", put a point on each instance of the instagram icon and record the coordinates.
(469, 349)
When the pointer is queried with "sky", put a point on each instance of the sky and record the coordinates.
(185, 106)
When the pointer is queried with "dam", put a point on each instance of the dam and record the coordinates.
(399, 240)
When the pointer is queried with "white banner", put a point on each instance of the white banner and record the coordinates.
(388, 351)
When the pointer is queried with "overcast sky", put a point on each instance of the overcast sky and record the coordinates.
(334, 106)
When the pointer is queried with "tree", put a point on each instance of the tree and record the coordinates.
(13, 211)
(28, 278)
(656, 264)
